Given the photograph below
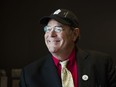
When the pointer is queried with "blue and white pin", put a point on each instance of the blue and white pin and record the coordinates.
(85, 77)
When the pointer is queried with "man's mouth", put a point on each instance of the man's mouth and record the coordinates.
(53, 41)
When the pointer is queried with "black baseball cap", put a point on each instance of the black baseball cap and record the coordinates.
(63, 16)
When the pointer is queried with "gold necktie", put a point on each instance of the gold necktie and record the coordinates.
(66, 76)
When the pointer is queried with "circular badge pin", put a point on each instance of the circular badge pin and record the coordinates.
(85, 77)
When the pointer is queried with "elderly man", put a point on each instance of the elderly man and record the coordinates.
(67, 65)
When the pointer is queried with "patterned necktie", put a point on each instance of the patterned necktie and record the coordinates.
(66, 76)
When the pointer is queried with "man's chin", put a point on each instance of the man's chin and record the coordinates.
(53, 50)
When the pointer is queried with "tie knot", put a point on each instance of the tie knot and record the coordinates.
(64, 63)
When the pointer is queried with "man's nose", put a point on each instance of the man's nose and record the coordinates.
(53, 33)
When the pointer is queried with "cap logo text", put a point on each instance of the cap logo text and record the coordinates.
(57, 11)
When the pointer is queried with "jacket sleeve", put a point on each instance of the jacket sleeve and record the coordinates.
(111, 73)
(22, 82)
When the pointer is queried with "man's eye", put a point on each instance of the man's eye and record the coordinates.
(58, 29)
(47, 29)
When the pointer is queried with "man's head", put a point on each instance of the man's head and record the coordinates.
(61, 31)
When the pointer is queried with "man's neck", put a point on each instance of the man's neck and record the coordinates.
(63, 55)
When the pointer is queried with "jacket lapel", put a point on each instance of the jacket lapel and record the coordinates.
(81, 57)
(86, 73)
(50, 74)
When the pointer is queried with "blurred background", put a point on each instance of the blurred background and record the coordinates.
(22, 40)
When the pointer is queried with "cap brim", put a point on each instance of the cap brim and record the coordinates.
(45, 20)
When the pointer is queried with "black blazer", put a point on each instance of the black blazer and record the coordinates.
(95, 69)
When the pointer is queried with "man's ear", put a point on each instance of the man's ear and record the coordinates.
(76, 34)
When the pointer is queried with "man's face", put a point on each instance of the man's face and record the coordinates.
(57, 40)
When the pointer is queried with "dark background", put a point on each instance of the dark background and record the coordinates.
(22, 39)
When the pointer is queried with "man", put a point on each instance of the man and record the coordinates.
(84, 68)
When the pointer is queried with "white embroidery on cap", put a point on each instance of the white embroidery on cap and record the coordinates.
(57, 11)
(65, 14)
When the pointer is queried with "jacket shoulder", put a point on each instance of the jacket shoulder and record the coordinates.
(36, 65)
(97, 54)
(98, 57)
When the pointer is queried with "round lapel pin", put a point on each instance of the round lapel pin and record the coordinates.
(85, 77)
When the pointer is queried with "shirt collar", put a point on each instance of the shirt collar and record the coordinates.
(71, 58)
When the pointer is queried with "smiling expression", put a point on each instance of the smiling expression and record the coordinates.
(59, 42)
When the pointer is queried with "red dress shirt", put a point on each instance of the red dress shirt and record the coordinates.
(72, 66)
